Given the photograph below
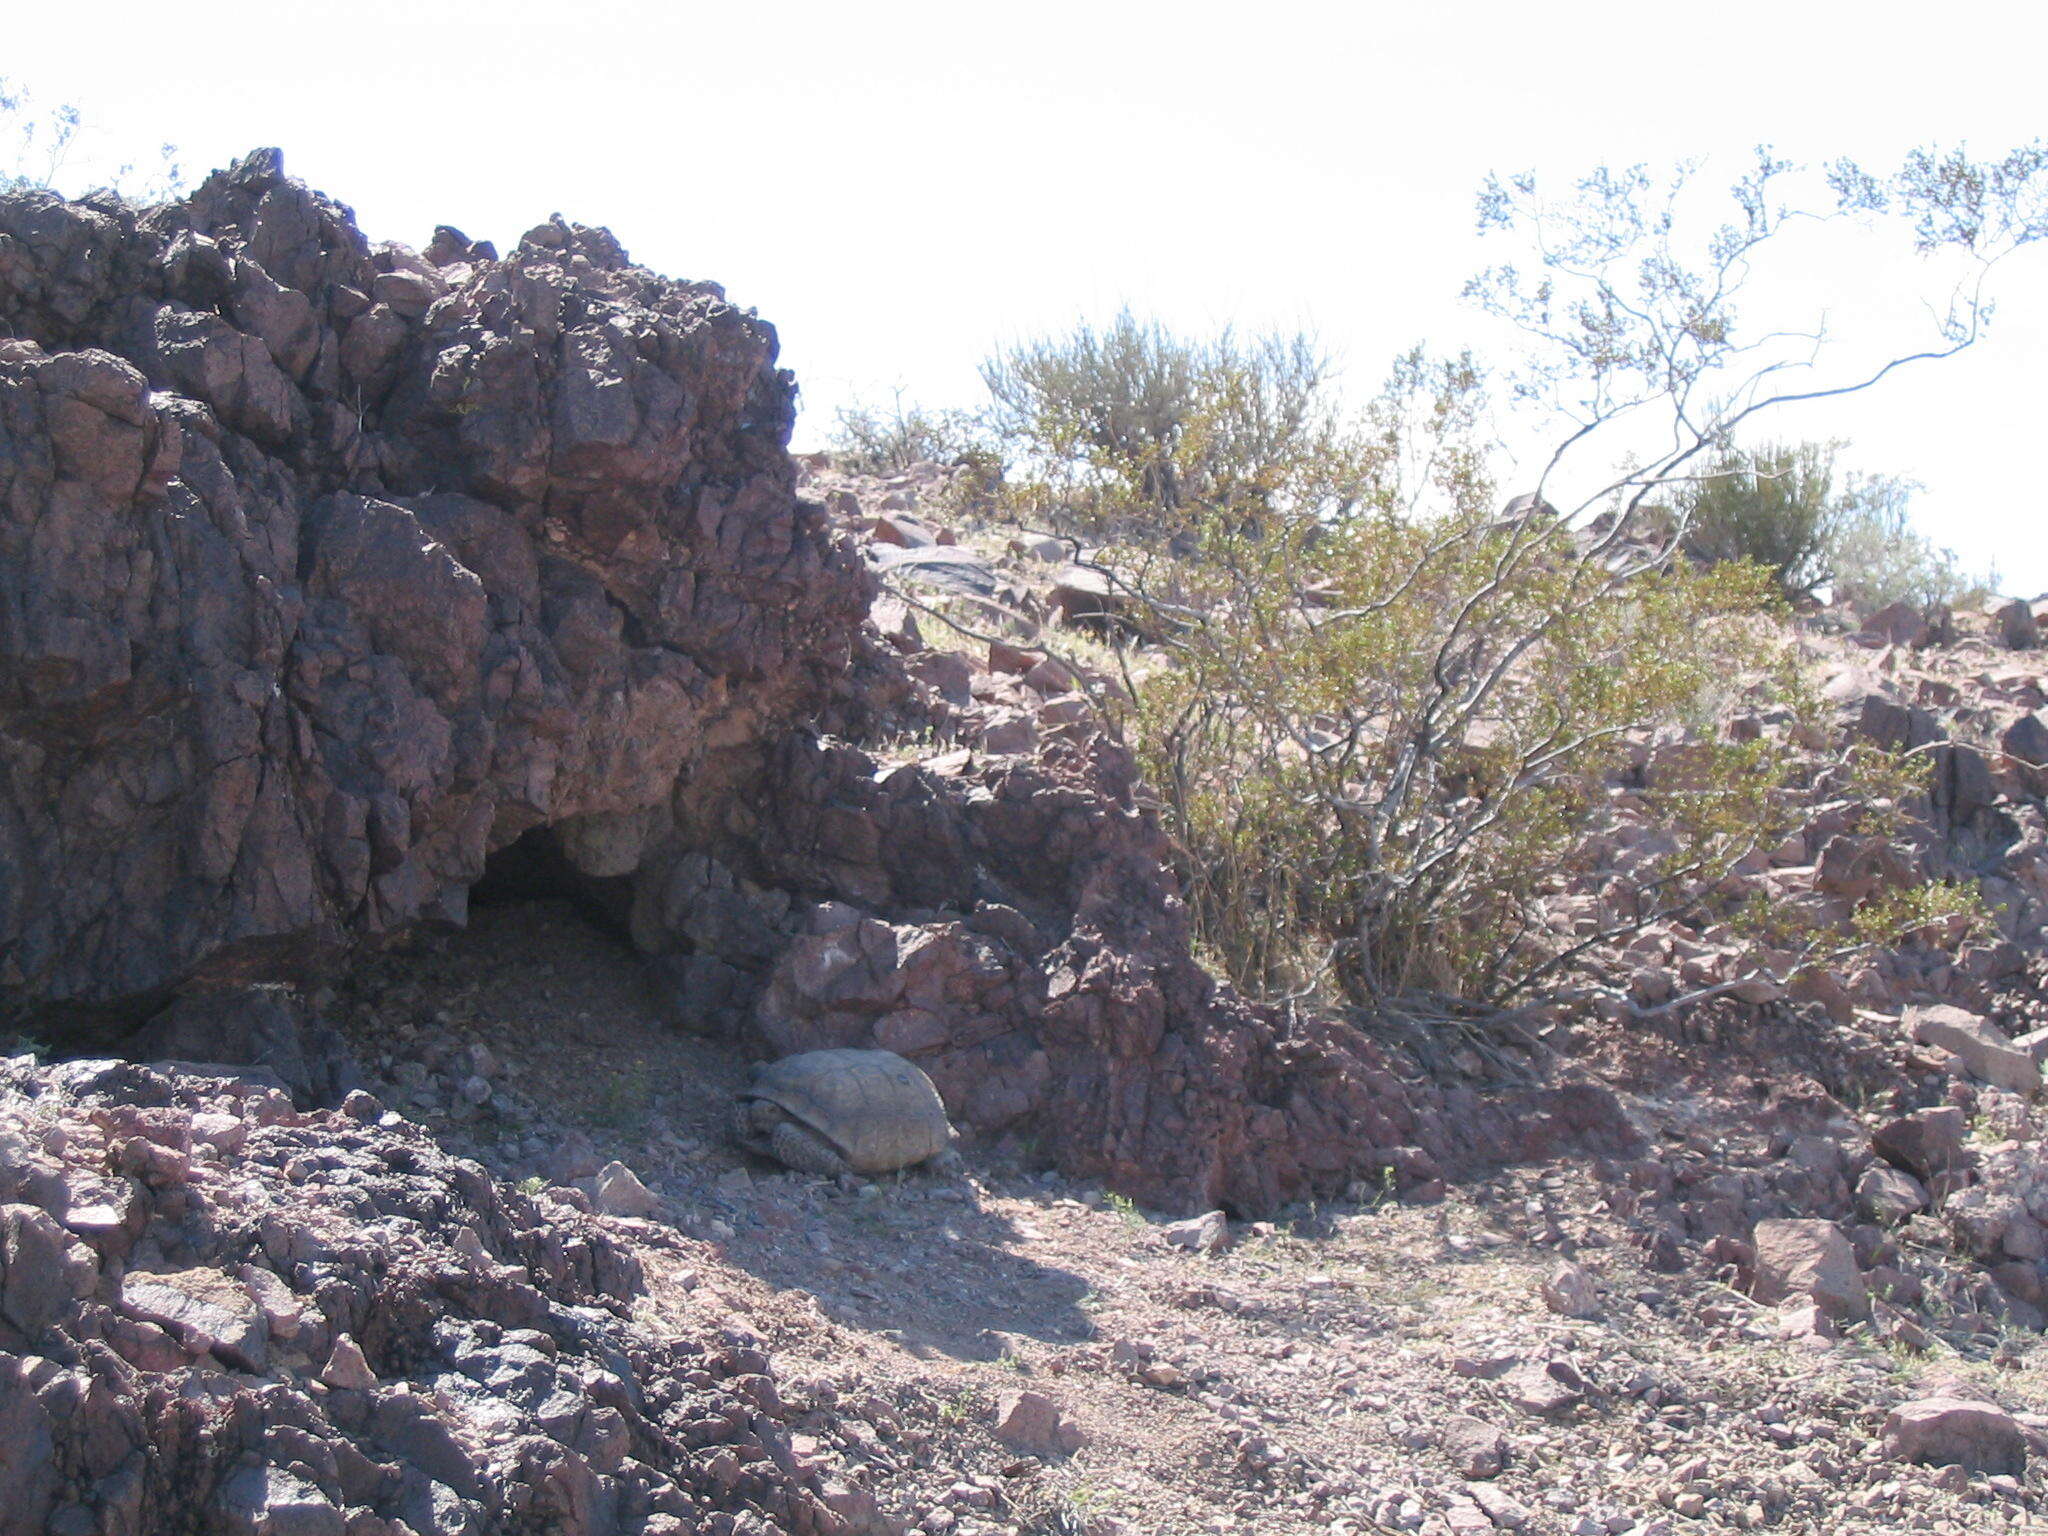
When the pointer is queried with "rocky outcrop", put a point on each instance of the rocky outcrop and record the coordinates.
(328, 569)
(218, 1313)
(337, 579)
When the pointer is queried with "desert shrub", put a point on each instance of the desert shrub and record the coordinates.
(1788, 508)
(1876, 558)
(1774, 506)
(883, 442)
(1391, 710)
(1131, 429)
(1393, 714)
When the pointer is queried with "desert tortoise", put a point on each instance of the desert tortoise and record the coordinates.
(843, 1111)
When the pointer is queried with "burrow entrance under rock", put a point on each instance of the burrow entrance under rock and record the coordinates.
(533, 867)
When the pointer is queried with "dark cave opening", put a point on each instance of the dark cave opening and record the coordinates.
(533, 868)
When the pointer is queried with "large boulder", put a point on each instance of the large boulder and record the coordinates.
(338, 580)
(1988, 1054)
(1956, 1432)
(326, 573)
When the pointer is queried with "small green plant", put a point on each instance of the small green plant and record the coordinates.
(957, 1408)
(532, 1184)
(625, 1102)
(1125, 1207)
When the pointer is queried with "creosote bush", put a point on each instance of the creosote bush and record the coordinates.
(1787, 508)
(1392, 710)
(1391, 715)
(1773, 506)
(883, 442)
(1130, 430)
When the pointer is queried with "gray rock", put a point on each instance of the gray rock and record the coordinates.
(1888, 1196)
(619, 1192)
(37, 1280)
(346, 1369)
(2013, 625)
(205, 1310)
(1207, 1233)
(1570, 1291)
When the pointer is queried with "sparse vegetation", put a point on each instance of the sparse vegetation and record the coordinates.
(1388, 699)
(1787, 508)
(37, 144)
(1135, 431)
(882, 442)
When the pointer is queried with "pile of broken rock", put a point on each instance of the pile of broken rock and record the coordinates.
(218, 1312)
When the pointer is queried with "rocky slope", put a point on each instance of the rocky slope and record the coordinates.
(338, 581)
(426, 675)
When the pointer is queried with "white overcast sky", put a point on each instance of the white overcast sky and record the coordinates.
(900, 187)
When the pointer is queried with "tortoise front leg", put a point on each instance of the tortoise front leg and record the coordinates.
(799, 1147)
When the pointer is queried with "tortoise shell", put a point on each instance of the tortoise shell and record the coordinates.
(879, 1110)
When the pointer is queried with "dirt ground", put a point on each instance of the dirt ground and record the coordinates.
(1318, 1374)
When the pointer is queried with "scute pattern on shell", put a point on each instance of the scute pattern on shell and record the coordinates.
(881, 1111)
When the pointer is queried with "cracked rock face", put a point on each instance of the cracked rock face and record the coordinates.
(327, 569)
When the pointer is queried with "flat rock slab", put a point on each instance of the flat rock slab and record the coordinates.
(1986, 1052)
(203, 1309)
(947, 567)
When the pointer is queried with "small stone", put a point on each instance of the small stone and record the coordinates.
(1570, 1291)
(346, 1369)
(1475, 1447)
(1502, 1510)
(1032, 1424)
(1889, 1195)
(620, 1193)
(1690, 1505)
(1206, 1233)
(1541, 1389)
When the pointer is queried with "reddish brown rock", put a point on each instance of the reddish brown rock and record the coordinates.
(1809, 1261)
(410, 1281)
(1951, 1431)
(1988, 1054)
(329, 579)
(1031, 1423)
